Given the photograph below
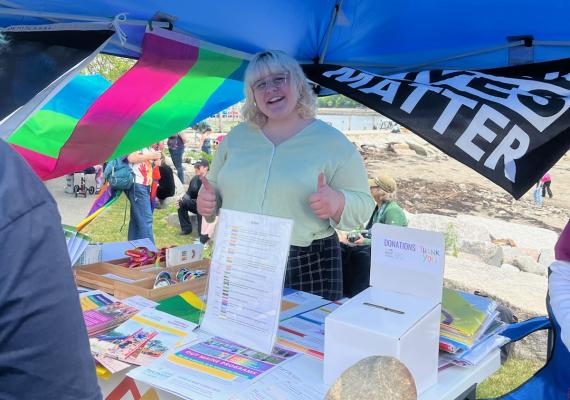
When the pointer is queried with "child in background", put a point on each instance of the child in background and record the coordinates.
(545, 182)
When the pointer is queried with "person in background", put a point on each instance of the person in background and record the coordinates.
(140, 223)
(188, 202)
(217, 141)
(175, 145)
(285, 163)
(166, 186)
(559, 284)
(545, 182)
(206, 141)
(537, 194)
(356, 246)
(44, 349)
(98, 171)
(387, 210)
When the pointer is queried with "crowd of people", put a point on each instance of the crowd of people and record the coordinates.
(154, 183)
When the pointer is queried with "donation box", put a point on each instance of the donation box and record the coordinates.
(399, 315)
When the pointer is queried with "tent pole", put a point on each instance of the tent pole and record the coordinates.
(329, 30)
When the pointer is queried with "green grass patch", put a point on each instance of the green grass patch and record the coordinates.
(108, 227)
(511, 375)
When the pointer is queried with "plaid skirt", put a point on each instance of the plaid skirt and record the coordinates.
(316, 268)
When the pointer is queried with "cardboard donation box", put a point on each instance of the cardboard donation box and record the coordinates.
(399, 315)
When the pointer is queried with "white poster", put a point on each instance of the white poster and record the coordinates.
(246, 278)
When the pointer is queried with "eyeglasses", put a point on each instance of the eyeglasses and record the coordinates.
(276, 81)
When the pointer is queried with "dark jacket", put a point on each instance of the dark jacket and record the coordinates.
(189, 199)
(166, 186)
(44, 350)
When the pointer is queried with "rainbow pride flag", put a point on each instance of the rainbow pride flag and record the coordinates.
(175, 84)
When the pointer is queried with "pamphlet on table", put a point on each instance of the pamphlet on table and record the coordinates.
(145, 337)
(306, 332)
(102, 312)
(299, 379)
(296, 302)
(214, 368)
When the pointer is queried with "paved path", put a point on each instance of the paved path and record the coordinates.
(72, 209)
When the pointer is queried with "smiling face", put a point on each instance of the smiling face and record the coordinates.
(274, 95)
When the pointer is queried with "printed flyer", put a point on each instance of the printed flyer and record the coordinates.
(212, 369)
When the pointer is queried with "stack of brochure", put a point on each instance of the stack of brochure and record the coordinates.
(143, 338)
(306, 332)
(76, 242)
(470, 327)
(102, 312)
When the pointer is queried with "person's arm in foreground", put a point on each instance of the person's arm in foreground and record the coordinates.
(559, 284)
(44, 349)
(138, 157)
(559, 288)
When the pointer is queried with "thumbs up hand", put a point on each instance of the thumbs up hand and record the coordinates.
(206, 201)
(326, 202)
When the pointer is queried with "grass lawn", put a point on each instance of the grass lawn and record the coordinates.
(509, 376)
(107, 228)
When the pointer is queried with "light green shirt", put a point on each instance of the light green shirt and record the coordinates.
(253, 175)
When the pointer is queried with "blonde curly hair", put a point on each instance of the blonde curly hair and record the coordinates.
(274, 62)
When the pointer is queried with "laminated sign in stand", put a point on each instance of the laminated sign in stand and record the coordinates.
(246, 278)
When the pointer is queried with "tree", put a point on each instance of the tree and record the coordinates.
(337, 101)
(111, 67)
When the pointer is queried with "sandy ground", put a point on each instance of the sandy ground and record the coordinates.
(441, 185)
(72, 209)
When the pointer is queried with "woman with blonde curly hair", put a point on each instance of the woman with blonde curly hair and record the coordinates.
(283, 162)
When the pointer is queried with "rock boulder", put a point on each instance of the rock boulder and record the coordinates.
(458, 231)
(524, 235)
(488, 252)
(528, 264)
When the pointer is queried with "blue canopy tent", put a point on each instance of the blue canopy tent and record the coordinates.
(376, 35)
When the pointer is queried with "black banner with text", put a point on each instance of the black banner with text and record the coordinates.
(510, 124)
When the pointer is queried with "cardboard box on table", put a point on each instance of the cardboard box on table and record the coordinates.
(399, 315)
(115, 278)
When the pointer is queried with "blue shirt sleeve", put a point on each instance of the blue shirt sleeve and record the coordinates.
(44, 349)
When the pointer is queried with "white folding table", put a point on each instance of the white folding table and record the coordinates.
(454, 383)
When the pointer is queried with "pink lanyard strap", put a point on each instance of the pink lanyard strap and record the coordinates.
(140, 256)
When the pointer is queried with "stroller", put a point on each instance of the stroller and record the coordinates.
(82, 189)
